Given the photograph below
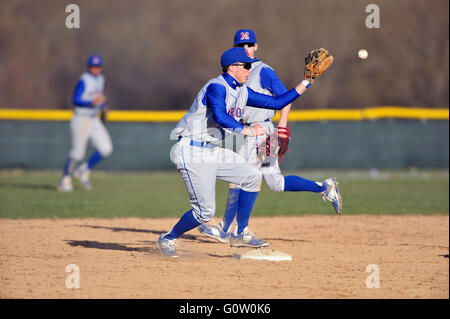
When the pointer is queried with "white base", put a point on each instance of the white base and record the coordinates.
(263, 254)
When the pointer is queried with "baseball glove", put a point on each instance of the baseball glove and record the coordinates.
(317, 62)
(103, 116)
(103, 113)
(283, 141)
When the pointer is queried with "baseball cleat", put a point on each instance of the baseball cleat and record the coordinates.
(82, 173)
(331, 194)
(214, 232)
(65, 185)
(247, 239)
(167, 246)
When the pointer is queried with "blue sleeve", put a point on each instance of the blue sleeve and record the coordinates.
(79, 89)
(271, 82)
(269, 102)
(215, 99)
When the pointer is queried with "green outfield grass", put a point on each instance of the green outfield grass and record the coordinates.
(33, 194)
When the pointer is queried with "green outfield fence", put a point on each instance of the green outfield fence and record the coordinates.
(382, 137)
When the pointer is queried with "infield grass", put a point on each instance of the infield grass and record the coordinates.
(33, 194)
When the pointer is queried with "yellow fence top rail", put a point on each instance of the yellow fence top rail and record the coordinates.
(373, 113)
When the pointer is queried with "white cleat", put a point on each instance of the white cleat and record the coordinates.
(83, 174)
(215, 232)
(167, 247)
(247, 239)
(331, 194)
(65, 185)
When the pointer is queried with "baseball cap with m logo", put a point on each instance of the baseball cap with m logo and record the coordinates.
(244, 36)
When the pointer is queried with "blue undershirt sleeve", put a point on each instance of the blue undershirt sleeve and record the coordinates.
(77, 101)
(215, 99)
(271, 82)
(268, 102)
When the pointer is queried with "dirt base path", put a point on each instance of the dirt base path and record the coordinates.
(117, 258)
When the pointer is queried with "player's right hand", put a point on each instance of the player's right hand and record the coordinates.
(255, 130)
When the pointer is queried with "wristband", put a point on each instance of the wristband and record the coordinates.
(306, 83)
(283, 132)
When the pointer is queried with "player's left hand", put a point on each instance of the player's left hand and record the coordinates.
(283, 141)
(103, 113)
(317, 62)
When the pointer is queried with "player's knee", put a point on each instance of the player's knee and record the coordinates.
(77, 155)
(203, 215)
(106, 150)
(276, 187)
(275, 182)
(253, 181)
(204, 211)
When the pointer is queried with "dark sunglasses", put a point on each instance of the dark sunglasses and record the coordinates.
(246, 65)
(249, 44)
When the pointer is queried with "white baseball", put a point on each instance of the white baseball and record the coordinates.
(363, 54)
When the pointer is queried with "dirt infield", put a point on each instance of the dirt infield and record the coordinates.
(117, 258)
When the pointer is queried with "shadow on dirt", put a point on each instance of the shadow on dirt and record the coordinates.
(149, 247)
(136, 230)
(287, 240)
(200, 238)
(221, 256)
(107, 246)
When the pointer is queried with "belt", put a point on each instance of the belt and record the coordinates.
(199, 144)
(266, 120)
(85, 111)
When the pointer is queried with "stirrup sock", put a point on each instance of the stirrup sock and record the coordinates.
(185, 224)
(231, 208)
(294, 183)
(246, 202)
(95, 158)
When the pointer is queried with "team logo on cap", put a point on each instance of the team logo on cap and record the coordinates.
(245, 36)
(96, 60)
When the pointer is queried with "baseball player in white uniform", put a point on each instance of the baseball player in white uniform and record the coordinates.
(85, 126)
(198, 156)
(264, 80)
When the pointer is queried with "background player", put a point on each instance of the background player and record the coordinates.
(85, 125)
(218, 106)
(264, 80)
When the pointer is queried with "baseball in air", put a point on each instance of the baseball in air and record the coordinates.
(363, 54)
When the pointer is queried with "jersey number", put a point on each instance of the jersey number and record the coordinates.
(235, 112)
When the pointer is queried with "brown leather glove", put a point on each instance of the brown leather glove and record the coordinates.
(317, 62)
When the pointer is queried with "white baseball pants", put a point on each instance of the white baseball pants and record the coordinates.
(201, 166)
(84, 128)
